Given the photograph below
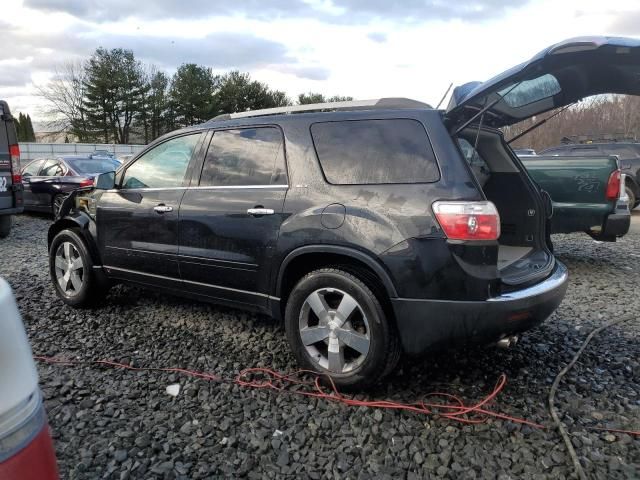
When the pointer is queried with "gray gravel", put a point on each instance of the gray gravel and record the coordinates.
(115, 424)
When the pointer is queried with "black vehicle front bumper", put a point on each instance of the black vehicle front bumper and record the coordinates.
(427, 324)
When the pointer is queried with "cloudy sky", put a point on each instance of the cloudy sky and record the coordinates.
(362, 48)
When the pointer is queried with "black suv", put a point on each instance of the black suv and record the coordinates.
(362, 225)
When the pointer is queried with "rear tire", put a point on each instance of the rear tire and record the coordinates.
(5, 225)
(71, 270)
(336, 326)
(632, 197)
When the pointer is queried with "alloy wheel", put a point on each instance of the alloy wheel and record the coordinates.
(69, 269)
(334, 330)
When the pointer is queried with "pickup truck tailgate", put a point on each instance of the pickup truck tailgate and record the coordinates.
(577, 186)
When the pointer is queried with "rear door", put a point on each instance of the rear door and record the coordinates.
(229, 223)
(30, 171)
(138, 221)
(46, 184)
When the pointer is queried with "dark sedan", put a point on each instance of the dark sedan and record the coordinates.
(48, 180)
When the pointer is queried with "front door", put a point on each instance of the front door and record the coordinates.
(229, 223)
(138, 221)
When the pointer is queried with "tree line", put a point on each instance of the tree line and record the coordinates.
(613, 116)
(112, 97)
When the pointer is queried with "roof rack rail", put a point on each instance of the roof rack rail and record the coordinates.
(391, 102)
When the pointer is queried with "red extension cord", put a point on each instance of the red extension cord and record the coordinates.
(264, 378)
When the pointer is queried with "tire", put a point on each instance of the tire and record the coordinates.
(333, 293)
(5, 225)
(56, 203)
(632, 197)
(80, 287)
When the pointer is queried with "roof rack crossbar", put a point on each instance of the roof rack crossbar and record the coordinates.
(397, 103)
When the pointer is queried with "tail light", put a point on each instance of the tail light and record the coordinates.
(468, 220)
(88, 182)
(613, 186)
(16, 175)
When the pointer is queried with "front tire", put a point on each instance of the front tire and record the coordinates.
(336, 326)
(71, 270)
(5, 225)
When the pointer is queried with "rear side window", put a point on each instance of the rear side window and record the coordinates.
(245, 157)
(358, 152)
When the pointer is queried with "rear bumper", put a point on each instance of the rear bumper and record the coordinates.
(616, 225)
(427, 324)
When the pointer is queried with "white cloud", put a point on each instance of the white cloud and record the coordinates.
(361, 48)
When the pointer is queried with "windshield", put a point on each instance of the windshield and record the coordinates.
(92, 165)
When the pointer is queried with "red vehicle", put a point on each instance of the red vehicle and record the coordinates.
(26, 449)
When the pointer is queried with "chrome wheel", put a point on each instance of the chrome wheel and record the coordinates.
(69, 269)
(334, 330)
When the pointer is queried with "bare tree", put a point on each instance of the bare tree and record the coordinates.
(615, 116)
(64, 97)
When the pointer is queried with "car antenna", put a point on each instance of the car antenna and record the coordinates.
(541, 122)
(444, 96)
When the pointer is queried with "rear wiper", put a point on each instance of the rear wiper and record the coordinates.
(541, 122)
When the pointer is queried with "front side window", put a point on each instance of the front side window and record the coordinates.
(164, 166)
(245, 157)
(360, 152)
(32, 169)
(53, 168)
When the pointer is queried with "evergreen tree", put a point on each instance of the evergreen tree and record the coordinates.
(192, 89)
(238, 93)
(30, 135)
(115, 90)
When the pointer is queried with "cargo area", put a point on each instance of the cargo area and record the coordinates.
(523, 255)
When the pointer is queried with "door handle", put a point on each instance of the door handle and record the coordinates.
(163, 209)
(260, 211)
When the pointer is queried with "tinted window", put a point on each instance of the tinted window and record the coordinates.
(248, 156)
(32, 168)
(52, 168)
(624, 152)
(91, 165)
(529, 91)
(476, 162)
(163, 166)
(580, 151)
(374, 151)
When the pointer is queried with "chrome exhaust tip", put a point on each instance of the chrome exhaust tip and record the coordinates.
(507, 342)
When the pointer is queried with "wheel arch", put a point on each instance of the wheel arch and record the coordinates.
(305, 259)
(82, 223)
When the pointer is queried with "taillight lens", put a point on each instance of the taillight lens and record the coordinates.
(16, 175)
(613, 186)
(87, 182)
(468, 220)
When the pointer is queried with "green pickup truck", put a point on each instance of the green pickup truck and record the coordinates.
(585, 192)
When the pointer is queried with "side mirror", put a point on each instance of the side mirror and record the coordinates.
(105, 181)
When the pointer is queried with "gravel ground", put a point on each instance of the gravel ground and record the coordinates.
(116, 424)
